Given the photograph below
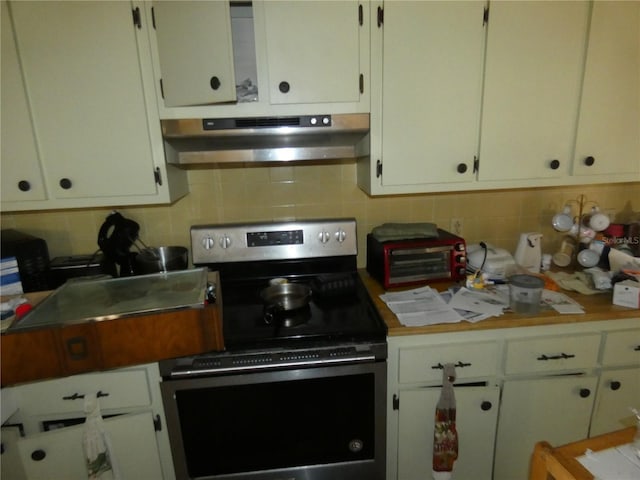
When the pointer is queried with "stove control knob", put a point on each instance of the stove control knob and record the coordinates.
(324, 236)
(341, 236)
(225, 241)
(208, 242)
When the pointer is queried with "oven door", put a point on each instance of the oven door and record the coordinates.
(310, 423)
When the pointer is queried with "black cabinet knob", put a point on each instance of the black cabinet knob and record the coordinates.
(284, 87)
(65, 183)
(462, 167)
(554, 164)
(215, 83)
(614, 385)
(38, 455)
(585, 392)
(24, 186)
(589, 161)
(486, 405)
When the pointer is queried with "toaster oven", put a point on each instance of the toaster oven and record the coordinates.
(417, 261)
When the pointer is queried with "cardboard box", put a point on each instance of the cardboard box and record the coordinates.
(627, 294)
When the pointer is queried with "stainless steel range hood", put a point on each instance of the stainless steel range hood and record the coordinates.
(266, 139)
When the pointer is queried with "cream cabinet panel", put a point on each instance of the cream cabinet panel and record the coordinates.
(426, 110)
(552, 354)
(123, 389)
(60, 451)
(533, 73)
(21, 173)
(608, 139)
(621, 348)
(88, 78)
(476, 415)
(556, 409)
(313, 51)
(195, 52)
(617, 391)
(471, 360)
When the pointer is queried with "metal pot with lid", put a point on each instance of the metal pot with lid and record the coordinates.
(161, 259)
(284, 297)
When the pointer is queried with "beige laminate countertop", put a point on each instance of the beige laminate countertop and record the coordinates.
(597, 307)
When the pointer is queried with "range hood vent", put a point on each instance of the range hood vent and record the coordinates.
(266, 139)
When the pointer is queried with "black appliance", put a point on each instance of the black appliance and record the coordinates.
(297, 395)
(74, 266)
(32, 255)
(115, 238)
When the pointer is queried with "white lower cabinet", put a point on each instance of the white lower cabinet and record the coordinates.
(555, 409)
(43, 439)
(476, 415)
(58, 454)
(514, 387)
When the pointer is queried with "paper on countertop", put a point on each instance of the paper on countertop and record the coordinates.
(617, 463)
(479, 302)
(420, 306)
(560, 302)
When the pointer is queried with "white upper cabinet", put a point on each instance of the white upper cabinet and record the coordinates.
(533, 73)
(313, 51)
(20, 167)
(89, 105)
(426, 95)
(608, 141)
(195, 52)
(261, 58)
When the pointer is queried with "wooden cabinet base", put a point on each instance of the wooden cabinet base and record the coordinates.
(67, 350)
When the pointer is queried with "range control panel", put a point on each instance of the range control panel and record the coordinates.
(273, 241)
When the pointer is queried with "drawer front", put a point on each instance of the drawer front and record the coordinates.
(424, 363)
(540, 355)
(622, 348)
(122, 389)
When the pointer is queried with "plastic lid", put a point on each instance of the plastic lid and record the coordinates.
(526, 281)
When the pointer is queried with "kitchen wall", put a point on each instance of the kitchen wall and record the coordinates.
(315, 191)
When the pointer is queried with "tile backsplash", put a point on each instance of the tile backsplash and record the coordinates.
(222, 195)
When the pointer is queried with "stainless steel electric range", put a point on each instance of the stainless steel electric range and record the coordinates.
(300, 391)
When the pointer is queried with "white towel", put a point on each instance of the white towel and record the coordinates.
(96, 443)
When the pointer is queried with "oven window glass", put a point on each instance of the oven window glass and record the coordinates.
(241, 428)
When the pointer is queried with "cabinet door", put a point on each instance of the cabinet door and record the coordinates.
(432, 56)
(555, 409)
(83, 79)
(60, 451)
(618, 390)
(195, 52)
(534, 65)
(21, 174)
(608, 140)
(313, 51)
(476, 416)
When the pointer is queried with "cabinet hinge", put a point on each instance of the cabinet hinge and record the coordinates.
(153, 17)
(360, 15)
(361, 84)
(157, 176)
(161, 89)
(380, 16)
(157, 423)
(485, 16)
(137, 19)
(396, 402)
(476, 164)
(378, 169)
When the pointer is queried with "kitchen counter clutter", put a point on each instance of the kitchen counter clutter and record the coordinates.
(596, 307)
(520, 379)
(128, 322)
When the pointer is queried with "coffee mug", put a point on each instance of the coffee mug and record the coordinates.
(563, 221)
(564, 255)
(597, 220)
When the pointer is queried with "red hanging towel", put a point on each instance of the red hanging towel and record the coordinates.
(445, 435)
